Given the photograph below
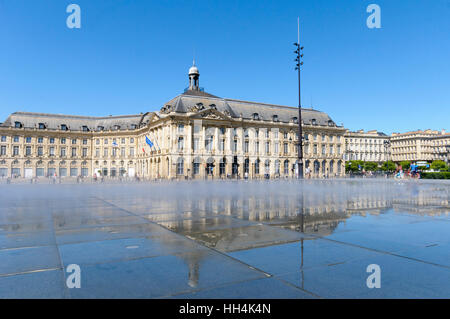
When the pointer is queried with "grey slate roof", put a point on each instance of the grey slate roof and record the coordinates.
(73, 122)
(189, 101)
(185, 103)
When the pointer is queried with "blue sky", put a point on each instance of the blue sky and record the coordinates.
(133, 56)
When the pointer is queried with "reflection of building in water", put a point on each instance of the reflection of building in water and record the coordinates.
(247, 220)
(430, 201)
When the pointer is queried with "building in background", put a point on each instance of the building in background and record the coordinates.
(371, 146)
(194, 135)
(420, 145)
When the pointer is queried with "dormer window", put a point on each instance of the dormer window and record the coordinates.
(313, 122)
(133, 126)
(295, 120)
(275, 118)
(17, 124)
(85, 128)
(213, 106)
(63, 127)
(100, 128)
(330, 123)
(42, 126)
(255, 116)
(117, 127)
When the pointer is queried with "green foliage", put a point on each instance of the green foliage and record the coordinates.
(371, 166)
(388, 166)
(439, 166)
(352, 166)
(405, 165)
(435, 175)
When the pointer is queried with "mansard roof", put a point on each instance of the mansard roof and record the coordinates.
(73, 122)
(185, 103)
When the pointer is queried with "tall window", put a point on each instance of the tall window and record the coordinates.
(209, 143)
(196, 141)
(51, 151)
(84, 151)
(74, 151)
(180, 143)
(246, 146)
(286, 167)
(285, 148)
(267, 147)
(257, 162)
(131, 151)
(181, 128)
(3, 150)
(276, 148)
(196, 168)
(105, 152)
(63, 151)
(235, 145)
(222, 145)
(40, 151)
(180, 166)
(15, 150)
(28, 151)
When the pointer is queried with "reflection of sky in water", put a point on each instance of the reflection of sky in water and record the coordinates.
(297, 233)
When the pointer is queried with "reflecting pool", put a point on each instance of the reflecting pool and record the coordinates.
(230, 239)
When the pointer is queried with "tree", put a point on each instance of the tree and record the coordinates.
(371, 166)
(438, 166)
(353, 166)
(388, 166)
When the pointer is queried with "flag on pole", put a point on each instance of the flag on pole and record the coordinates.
(156, 141)
(147, 140)
(143, 150)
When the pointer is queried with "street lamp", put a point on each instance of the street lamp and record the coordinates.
(298, 64)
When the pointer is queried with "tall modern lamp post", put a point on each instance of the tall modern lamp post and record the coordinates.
(298, 64)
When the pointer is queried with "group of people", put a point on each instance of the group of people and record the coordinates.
(412, 172)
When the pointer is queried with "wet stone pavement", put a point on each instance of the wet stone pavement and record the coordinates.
(278, 239)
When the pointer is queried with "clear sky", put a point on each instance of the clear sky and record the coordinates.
(133, 56)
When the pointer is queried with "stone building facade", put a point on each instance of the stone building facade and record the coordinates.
(194, 135)
(428, 145)
(371, 146)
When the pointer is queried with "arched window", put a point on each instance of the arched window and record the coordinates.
(267, 167)
(257, 162)
(275, 118)
(316, 167)
(222, 165)
(286, 167)
(295, 120)
(277, 167)
(180, 166)
(255, 116)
